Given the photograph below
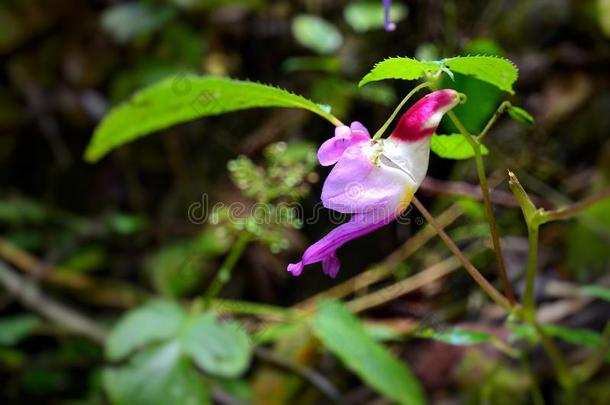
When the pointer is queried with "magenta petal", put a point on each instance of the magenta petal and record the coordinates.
(331, 265)
(325, 249)
(332, 149)
(356, 185)
(358, 127)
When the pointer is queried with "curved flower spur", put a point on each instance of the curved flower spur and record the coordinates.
(374, 180)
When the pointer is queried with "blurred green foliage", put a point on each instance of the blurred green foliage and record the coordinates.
(107, 238)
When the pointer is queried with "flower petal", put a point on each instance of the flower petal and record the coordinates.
(422, 119)
(325, 249)
(332, 149)
(356, 185)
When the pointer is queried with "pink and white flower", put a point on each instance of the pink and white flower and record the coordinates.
(374, 180)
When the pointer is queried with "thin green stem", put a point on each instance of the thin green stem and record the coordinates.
(385, 126)
(456, 121)
(532, 219)
(334, 120)
(252, 308)
(495, 237)
(224, 274)
(564, 375)
(474, 273)
(493, 119)
(574, 209)
(529, 297)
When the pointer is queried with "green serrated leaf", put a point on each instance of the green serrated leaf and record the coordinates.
(397, 68)
(456, 336)
(183, 98)
(160, 375)
(153, 322)
(16, 327)
(453, 146)
(595, 291)
(365, 16)
(220, 348)
(316, 34)
(344, 335)
(500, 72)
(521, 115)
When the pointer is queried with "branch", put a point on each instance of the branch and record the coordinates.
(474, 273)
(576, 208)
(30, 296)
(409, 284)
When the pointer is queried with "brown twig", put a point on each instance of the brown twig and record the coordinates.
(407, 285)
(432, 186)
(30, 295)
(474, 273)
(97, 291)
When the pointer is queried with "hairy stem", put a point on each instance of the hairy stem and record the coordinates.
(474, 273)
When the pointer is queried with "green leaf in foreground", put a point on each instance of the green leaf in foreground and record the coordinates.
(500, 72)
(453, 146)
(456, 336)
(344, 335)
(161, 375)
(222, 349)
(521, 115)
(316, 34)
(153, 322)
(184, 98)
(398, 68)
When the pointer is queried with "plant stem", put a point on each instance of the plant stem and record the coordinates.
(385, 126)
(495, 237)
(574, 209)
(529, 296)
(493, 119)
(334, 120)
(532, 217)
(224, 274)
(564, 375)
(474, 273)
(253, 308)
